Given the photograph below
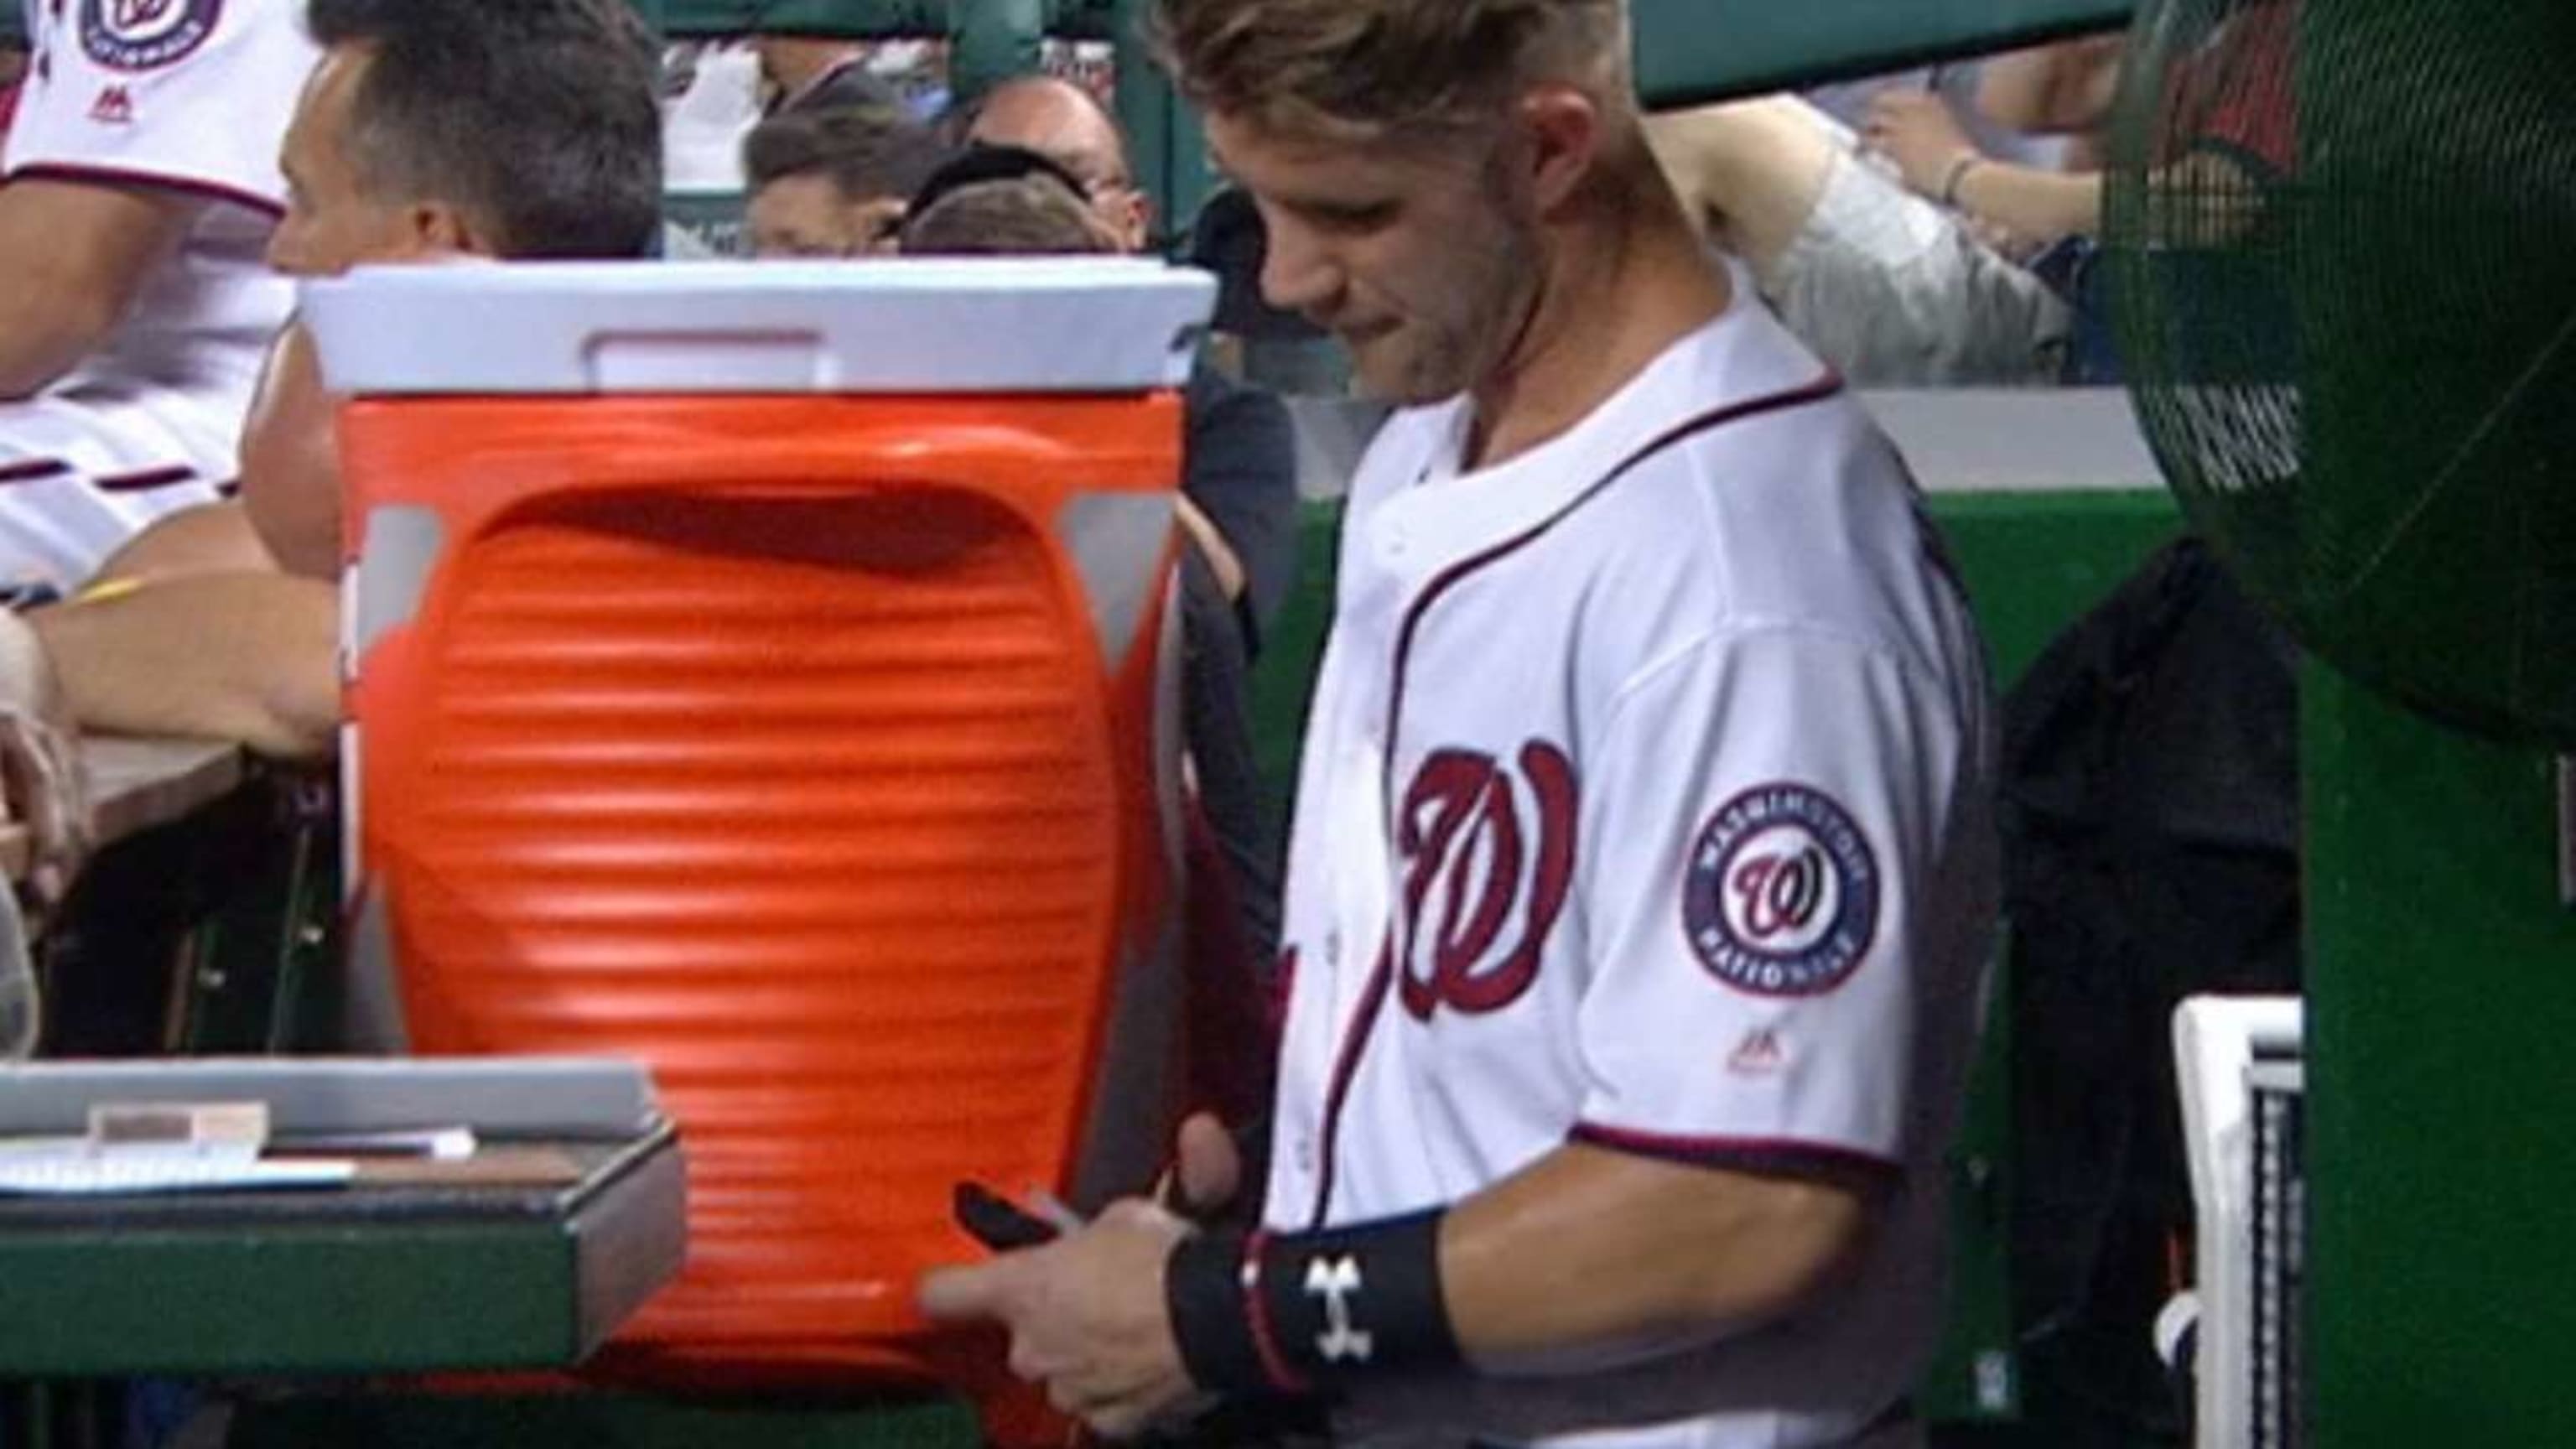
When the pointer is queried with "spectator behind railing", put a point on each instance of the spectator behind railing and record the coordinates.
(714, 92)
(809, 73)
(432, 130)
(833, 183)
(1899, 252)
(142, 184)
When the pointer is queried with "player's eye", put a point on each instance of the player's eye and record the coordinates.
(1353, 217)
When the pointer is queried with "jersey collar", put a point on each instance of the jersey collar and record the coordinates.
(1442, 515)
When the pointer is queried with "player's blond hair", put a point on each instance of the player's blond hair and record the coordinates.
(1379, 66)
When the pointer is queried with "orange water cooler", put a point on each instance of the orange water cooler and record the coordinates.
(767, 673)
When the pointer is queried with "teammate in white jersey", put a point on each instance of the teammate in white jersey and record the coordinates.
(432, 131)
(1643, 871)
(142, 187)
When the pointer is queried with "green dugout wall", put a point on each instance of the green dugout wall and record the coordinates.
(2440, 1155)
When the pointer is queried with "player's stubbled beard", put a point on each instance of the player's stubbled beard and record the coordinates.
(1482, 294)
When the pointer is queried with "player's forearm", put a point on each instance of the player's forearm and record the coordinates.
(240, 656)
(2041, 205)
(1585, 1259)
(1590, 1254)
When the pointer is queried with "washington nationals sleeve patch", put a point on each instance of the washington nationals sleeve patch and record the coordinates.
(138, 35)
(1781, 893)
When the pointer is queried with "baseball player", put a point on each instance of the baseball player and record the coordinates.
(1643, 872)
(142, 186)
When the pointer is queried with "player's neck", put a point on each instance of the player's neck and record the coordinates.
(1615, 292)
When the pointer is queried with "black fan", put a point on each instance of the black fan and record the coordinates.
(2343, 242)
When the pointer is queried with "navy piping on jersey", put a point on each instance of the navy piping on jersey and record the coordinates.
(146, 480)
(122, 176)
(1364, 1022)
(39, 470)
(1346, 1066)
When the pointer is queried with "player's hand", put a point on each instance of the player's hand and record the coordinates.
(1086, 1316)
(41, 785)
(1206, 1173)
(1917, 131)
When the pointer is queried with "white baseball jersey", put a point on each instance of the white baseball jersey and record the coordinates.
(192, 97)
(1645, 804)
(703, 126)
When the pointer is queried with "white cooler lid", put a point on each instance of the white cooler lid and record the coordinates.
(895, 326)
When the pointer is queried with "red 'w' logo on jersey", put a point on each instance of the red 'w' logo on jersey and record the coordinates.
(1488, 857)
(1780, 893)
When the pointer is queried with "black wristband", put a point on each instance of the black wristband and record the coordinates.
(1309, 1312)
(1343, 1305)
(1203, 1290)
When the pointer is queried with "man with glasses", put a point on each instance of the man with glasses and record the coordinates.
(1066, 124)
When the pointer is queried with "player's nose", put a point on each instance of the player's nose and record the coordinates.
(1297, 272)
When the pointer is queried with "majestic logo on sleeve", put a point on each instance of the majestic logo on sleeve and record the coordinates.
(146, 34)
(1781, 894)
(1488, 858)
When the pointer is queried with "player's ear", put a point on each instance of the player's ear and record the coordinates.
(1132, 218)
(1561, 128)
(438, 228)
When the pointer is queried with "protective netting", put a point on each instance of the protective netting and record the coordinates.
(2343, 245)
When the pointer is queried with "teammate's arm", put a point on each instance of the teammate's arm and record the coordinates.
(76, 254)
(209, 538)
(197, 627)
(243, 656)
